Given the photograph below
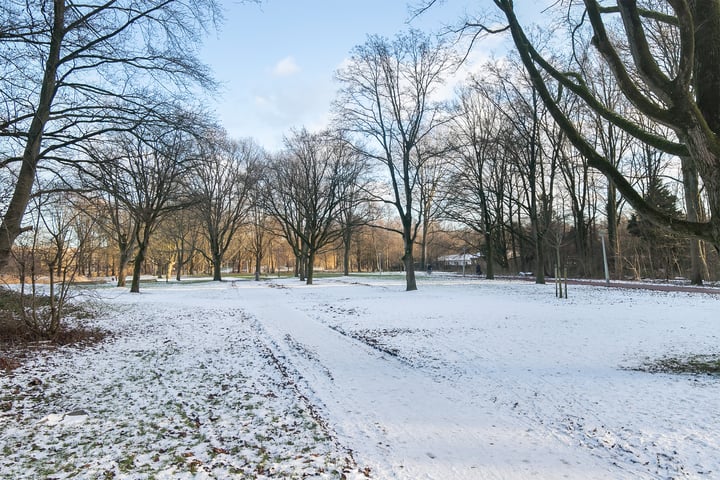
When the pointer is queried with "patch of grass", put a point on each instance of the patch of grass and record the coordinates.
(693, 365)
(126, 464)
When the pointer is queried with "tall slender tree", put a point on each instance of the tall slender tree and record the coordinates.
(478, 175)
(387, 98)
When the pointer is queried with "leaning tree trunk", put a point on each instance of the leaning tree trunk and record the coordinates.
(124, 260)
(137, 267)
(11, 226)
(142, 246)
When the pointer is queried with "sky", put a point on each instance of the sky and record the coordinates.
(276, 59)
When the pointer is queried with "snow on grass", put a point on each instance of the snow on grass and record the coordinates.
(553, 374)
(464, 379)
(181, 393)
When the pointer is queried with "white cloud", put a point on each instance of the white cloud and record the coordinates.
(285, 67)
(263, 101)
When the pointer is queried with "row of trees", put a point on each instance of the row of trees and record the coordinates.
(74, 71)
(527, 163)
(660, 92)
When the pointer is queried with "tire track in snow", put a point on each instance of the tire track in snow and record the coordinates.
(553, 399)
(403, 422)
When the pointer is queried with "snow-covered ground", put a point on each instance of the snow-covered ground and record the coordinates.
(465, 378)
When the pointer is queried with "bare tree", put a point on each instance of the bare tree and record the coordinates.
(220, 183)
(432, 153)
(534, 150)
(259, 230)
(356, 211)
(183, 229)
(116, 219)
(682, 95)
(305, 188)
(613, 141)
(387, 99)
(479, 169)
(143, 172)
(71, 71)
(53, 249)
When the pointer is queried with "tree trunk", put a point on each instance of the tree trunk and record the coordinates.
(488, 233)
(347, 237)
(217, 267)
(409, 263)
(180, 263)
(517, 247)
(408, 260)
(11, 226)
(539, 257)
(692, 206)
(489, 255)
(612, 228)
(140, 257)
(310, 267)
(423, 244)
(258, 263)
(137, 267)
(302, 262)
(537, 234)
(216, 256)
(122, 266)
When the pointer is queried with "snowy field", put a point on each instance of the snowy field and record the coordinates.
(354, 377)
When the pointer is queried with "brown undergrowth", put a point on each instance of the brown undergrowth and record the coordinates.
(18, 340)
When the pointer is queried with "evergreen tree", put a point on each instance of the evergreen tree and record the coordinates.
(661, 244)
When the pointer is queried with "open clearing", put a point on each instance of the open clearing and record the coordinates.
(353, 377)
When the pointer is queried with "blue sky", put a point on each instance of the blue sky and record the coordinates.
(276, 59)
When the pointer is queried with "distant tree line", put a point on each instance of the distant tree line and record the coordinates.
(536, 160)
